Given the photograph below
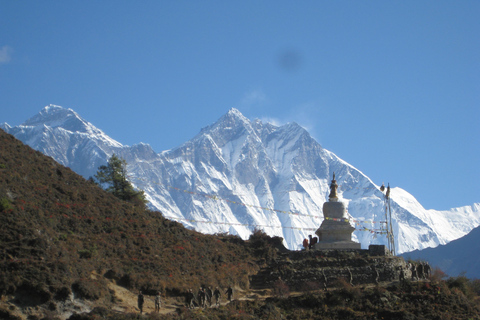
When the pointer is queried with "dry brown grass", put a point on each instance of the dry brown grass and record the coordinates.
(57, 228)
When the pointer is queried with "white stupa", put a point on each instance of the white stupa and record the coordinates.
(335, 232)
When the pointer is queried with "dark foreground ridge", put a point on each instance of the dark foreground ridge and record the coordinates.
(70, 250)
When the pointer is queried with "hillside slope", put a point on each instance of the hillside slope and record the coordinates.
(58, 229)
(64, 243)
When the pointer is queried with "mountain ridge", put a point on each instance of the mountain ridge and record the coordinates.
(236, 175)
(452, 258)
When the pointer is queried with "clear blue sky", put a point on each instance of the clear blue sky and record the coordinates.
(392, 87)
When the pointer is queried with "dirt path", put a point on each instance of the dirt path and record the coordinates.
(127, 301)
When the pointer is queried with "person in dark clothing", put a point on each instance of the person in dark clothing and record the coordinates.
(140, 301)
(414, 272)
(314, 242)
(189, 299)
(217, 294)
(229, 293)
(209, 294)
(201, 297)
(402, 275)
(428, 270)
(420, 271)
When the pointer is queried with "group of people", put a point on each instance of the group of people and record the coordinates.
(418, 271)
(309, 244)
(157, 300)
(204, 297)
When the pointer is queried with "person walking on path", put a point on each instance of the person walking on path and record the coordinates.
(140, 301)
(216, 294)
(209, 294)
(158, 302)
(229, 293)
(190, 299)
(201, 297)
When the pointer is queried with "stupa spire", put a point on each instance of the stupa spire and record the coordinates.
(333, 190)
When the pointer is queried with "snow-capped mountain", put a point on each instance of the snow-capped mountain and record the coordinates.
(63, 135)
(237, 175)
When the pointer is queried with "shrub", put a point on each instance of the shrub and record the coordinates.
(309, 286)
(475, 285)
(89, 289)
(5, 204)
(88, 253)
(437, 275)
(269, 311)
(334, 299)
(34, 293)
(280, 289)
(463, 284)
(62, 294)
(348, 291)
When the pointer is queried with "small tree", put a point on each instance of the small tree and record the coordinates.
(114, 176)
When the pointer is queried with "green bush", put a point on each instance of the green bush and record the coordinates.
(88, 253)
(5, 204)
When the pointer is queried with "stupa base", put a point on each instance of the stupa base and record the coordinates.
(337, 245)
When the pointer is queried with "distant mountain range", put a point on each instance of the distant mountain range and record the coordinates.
(237, 175)
(455, 258)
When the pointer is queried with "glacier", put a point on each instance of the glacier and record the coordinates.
(237, 175)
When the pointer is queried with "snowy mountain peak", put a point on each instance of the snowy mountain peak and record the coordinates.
(233, 119)
(230, 126)
(234, 125)
(60, 118)
(234, 112)
(54, 116)
(5, 126)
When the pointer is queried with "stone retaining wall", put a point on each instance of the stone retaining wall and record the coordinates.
(315, 268)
